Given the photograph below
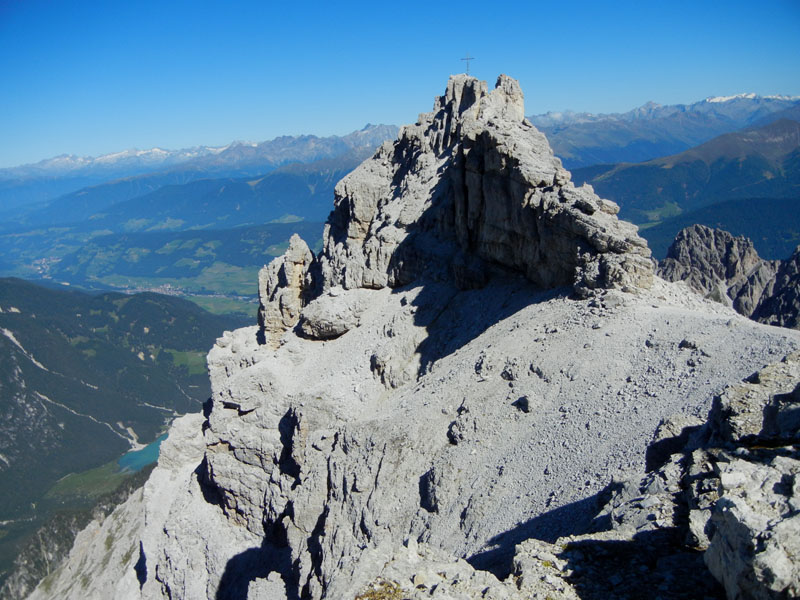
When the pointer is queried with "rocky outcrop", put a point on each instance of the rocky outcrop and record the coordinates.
(719, 266)
(470, 188)
(412, 425)
(332, 314)
(754, 526)
(727, 269)
(429, 390)
(474, 178)
(732, 490)
(782, 306)
(281, 289)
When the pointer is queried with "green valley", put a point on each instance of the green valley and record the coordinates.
(83, 379)
(217, 269)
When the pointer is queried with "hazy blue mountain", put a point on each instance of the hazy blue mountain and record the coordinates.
(792, 113)
(35, 184)
(292, 191)
(23, 195)
(144, 171)
(760, 162)
(79, 205)
(302, 191)
(653, 130)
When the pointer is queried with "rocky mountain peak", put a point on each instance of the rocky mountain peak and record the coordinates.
(469, 190)
(468, 98)
(727, 269)
(712, 262)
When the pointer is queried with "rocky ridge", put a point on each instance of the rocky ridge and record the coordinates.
(728, 269)
(479, 351)
(721, 491)
(472, 187)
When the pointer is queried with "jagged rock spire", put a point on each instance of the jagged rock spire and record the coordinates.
(471, 188)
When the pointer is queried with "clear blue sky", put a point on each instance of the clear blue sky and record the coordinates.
(91, 77)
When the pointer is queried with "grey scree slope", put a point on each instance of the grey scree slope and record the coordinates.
(479, 350)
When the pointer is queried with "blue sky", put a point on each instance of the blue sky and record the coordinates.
(87, 78)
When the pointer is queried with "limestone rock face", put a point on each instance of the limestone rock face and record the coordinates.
(719, 266)
(281, 287)
(782, 306)
(332, 314)
(470, 189)
(728, 269)
(408, 427)
(470, 186)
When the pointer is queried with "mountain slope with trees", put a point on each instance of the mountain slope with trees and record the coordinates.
(761, 162)
(82, 379)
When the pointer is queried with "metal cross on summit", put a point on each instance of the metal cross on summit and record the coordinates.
(468, 58)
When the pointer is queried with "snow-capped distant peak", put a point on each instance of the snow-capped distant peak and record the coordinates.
(152, 152)
(716, 99)
(750, 96)
(215, 149)
(114, 156)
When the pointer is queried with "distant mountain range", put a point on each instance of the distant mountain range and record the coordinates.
(291, 179)
(48, 179)
(296, 197)
(756, 162)
(83, 246)
(278, 151)
(126, 161)
(158, 201)
(653, 130)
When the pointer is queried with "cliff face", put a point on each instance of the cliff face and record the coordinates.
(479, 350)
(728, 269)
(472, 188)
(474, 182)
(782, 305)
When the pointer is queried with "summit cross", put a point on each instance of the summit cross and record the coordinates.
(468, 58)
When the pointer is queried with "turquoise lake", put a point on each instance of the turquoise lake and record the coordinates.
(139, 459)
